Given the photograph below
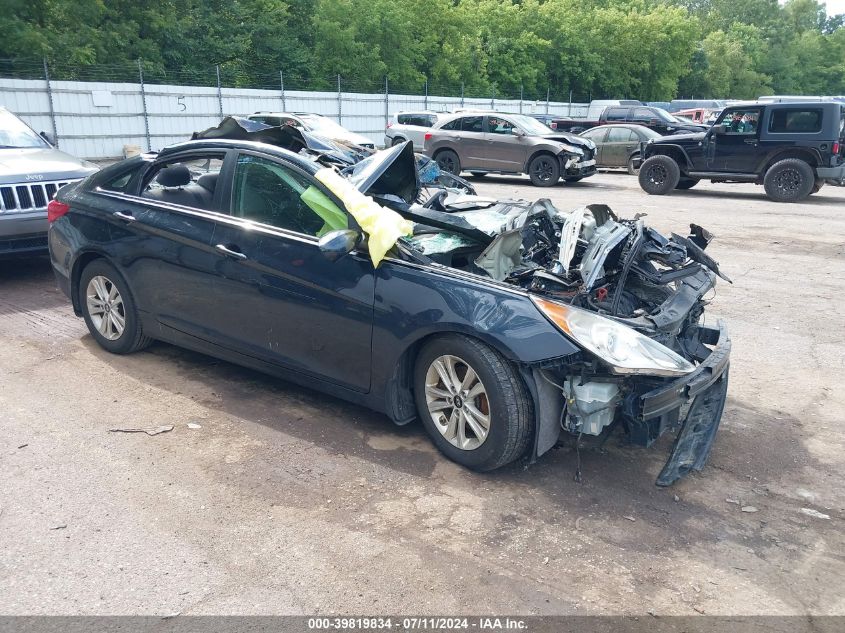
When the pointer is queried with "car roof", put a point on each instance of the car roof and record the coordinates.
(210, 144)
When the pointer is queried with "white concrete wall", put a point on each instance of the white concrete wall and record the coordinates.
(96, 119)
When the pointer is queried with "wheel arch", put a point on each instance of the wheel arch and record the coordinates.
(79, 264)
(675, 152)
(539, 152)
(807, 155)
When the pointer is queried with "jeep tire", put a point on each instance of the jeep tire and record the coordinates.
(789, 180)
(659, 175)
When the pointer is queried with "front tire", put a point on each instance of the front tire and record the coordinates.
(449, 162)
(789, 180)
(633, 163)
(478, 174)
(472, 402)
(109, 309)
(571, 179)
(659, 175)
(544, 170)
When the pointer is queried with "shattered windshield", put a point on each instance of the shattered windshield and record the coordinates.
(15, 133)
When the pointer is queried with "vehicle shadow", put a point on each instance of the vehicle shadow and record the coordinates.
(815, 199)
(27, 284)
(616, 478)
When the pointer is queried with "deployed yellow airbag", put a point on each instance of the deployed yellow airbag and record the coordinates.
(383, 226)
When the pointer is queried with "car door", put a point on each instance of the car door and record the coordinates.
(472, 146)
(618, 145)
(738, 149)
(164, 228)
(281, 300)
(504, 150)
(597, 136)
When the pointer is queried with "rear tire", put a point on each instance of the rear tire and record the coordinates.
(571, 179)
(478, 174)
(449, 162)
(109, 309)
(817, 187)
(659, 175)
(789, 180)
(544, 170)
(687, 183)
(457, 376)
(397, 141)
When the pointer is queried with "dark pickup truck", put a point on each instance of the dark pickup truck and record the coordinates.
(791, 149)
(655, 118)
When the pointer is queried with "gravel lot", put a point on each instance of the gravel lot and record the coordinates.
(287, 501)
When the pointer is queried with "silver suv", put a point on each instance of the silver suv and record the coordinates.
(492, 142)
(410, 126)
(31, 171)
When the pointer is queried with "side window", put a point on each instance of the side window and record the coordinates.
(642, 115)
(616, 114)
(805, 121)
(452, 125)
(618, 135)
(498, 125)
(267, 192)
(742, 121)
(429, 120)
(190, 182)
(119, 183)
(471, 124)
(596, 135)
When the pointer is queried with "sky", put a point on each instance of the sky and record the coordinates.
(835, 7)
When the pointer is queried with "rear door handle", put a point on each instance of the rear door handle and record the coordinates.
(126, 217)
(237, 254)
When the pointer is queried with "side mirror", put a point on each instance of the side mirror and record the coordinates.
(719, 129)
(47, 136)
(336, 244)
(518, 132)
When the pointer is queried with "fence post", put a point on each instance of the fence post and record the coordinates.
(569, 110)
(219, 91)
(282, 84)
(339, 103)
(144, 104)
(386, 102)
(50, 99)
(548, 94)
(493, 99)
(462, 94)
(425, 103)
(520, 97)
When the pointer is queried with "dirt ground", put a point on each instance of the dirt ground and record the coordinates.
(286, 501)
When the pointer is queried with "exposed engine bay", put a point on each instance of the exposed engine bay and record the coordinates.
(617, 268)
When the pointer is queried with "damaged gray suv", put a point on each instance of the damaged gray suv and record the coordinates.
(491, 142)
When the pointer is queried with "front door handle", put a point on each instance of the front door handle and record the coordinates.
(750, 141)
(126, 217)
(229, 252)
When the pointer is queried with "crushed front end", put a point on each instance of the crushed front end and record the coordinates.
(631, 298)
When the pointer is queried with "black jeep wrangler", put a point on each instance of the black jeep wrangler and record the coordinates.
(792, 149)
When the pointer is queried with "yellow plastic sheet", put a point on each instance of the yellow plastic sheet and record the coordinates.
(383, 226)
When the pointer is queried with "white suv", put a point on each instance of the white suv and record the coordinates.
(410, 126)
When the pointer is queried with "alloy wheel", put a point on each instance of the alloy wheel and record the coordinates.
(543, 169)
(457, 401)
(657, 174)
(788, 181)
(105, 307)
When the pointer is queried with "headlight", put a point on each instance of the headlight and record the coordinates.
(573, 150)
(624, 349)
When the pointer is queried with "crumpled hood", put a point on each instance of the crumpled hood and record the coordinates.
(570, 139)
(40, 164)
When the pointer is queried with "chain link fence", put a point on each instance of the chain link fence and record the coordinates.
(98, 111)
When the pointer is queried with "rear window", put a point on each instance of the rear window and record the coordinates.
(803, 121)
(451, 125)
(421, 120)
(471, 124)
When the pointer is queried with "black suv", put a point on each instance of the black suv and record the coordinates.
(792, 149)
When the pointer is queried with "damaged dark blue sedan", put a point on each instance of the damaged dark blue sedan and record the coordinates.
(501, 324)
